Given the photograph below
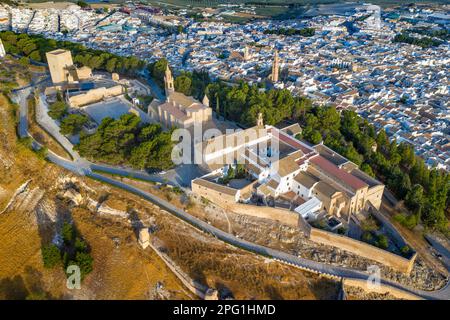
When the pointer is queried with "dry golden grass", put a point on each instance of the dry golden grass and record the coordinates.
(119, 273)
(122, 271)
(217, 265)
(245, 275)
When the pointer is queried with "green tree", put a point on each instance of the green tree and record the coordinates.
(58, 110)
(367, 169)
(80, 245)
(111, 65)
(82, 4)
(183, 83)
(35, 55)
(29, 48)
(315, 137)
(72, 124)
(85, 262)
(382, 241)
(127, 140)
(51, 256)
(68, 233)
(24, 61)
(414, 198)
(158, 70)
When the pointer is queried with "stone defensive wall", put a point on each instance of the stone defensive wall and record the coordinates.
(363, 249)
(196, 288)
(281, 215)
(381, 289)
(226, 197)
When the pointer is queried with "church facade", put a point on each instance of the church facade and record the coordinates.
(179, 110)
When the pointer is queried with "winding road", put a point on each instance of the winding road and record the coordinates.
(83, 167)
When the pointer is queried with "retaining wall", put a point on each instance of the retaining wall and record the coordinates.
(381, 289)
(283, 216)
(363, 249)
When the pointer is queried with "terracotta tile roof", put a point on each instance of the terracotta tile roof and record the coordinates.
(306, 179)
(340, 175)
(215, 186)
(326, 189)
(171, 109)
(291, 141)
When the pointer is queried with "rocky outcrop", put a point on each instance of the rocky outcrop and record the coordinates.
(104, 209)
(13, 199)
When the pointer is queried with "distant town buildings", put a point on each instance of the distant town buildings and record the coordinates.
(350, 62)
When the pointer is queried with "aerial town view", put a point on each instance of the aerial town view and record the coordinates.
(224, 150)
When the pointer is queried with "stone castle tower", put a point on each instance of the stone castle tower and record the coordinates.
(275, 67)
(168, 81)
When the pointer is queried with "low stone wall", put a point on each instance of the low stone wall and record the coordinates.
(283, 216)
(227, 201)
(363, 249)
(304, 226)
(381, 289)
(221, 195)
(248, 188)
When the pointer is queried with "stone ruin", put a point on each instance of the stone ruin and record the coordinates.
(144, 238)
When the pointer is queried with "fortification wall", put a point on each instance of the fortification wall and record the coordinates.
(363, 249)
(283, 216)
(381, 289)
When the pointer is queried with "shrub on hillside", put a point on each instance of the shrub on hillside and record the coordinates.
(51, 256)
